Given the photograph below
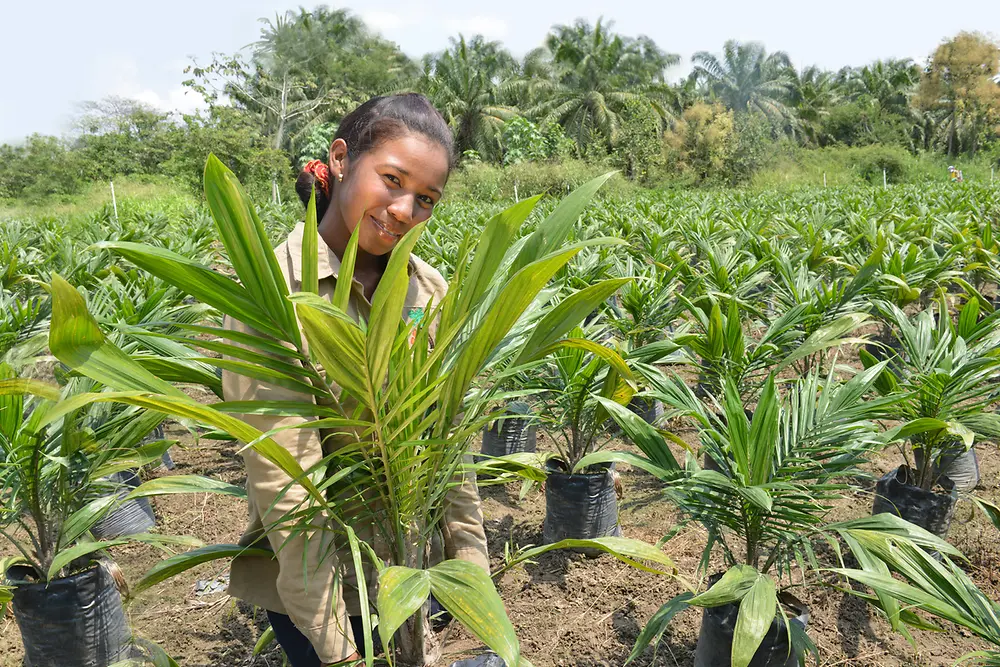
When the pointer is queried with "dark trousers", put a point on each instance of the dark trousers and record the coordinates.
(300, 651)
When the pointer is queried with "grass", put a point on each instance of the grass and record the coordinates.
(843, 166)
(150, 194)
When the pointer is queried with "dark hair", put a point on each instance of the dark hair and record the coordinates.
(378, 120)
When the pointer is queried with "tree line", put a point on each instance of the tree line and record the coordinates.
(586, 93)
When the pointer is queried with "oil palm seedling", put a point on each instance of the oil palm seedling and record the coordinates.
(581, 501)
(640, 315)
(23, 326)
(764, 505)
(729, 345)
(56, 485)
(724, 270)
(404, 413)
(944, 375)
(826, 298)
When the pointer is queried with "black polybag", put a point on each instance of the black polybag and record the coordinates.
(131, 517)
(958, 464)
(580, 506)
(512, 434)
(715, 639)
(75, 621)
(896, 494)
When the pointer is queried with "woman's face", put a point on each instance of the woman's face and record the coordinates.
(389, 189)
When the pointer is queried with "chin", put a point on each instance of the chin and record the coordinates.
(376, 246)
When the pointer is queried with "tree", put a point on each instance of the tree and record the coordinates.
(307, 68)
(639, 148)
(123, 136)
(463, 82)
(747, 78)
(593, 74)
(814, 92)
(748, 150)
(890, 83)
(960, 87)
(336, 57)
(40, 167)
(235, 138)
(699, 141)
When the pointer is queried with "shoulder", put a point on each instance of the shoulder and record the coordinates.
(289, 254)
(429, 280)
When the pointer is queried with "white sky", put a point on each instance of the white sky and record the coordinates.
(58, 53)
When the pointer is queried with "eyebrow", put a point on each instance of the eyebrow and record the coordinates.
(406, 173)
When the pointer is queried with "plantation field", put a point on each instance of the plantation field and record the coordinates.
(569, 611)
(813, 257)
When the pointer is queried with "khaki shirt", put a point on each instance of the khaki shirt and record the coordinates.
(306, 579)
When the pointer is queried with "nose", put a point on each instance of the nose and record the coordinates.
(401, 208)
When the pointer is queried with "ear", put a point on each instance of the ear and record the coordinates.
(338, 159)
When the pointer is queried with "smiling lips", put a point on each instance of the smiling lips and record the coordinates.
(385, 230)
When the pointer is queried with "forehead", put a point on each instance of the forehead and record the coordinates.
(421, 158)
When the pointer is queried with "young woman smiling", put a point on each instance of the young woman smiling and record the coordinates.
(387, 169)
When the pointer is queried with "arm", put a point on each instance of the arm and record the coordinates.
(308, 582)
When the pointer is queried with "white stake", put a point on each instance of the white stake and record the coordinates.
(824, 179)
(515, 192)
(885, 182)
(114, 201)
(991, 175)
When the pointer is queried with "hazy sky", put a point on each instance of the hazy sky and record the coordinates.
(58, 53)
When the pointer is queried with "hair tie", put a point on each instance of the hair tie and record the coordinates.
(321, 172)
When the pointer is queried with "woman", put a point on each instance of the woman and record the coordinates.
(387, 169)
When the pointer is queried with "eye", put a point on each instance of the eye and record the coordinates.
(393, 179)
(427, 200)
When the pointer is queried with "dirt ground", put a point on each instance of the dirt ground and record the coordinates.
(569, 610)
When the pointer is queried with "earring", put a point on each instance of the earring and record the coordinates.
(340, 178)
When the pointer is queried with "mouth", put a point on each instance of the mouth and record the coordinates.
(383, 229)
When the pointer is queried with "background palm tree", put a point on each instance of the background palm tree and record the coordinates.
(889, 82)
(814, 92)
(464, 84)
(747, 78)
(592, 75)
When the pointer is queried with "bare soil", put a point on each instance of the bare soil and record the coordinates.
(569, 610)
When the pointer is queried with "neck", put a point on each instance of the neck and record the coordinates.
(336, 235)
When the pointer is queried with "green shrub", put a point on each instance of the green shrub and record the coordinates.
(638, 149)
(869, 162)
(697, 145)
(41, 167)
(235, 139)
(793, 166)
(524, 141)
(750, 147)
(479, 180)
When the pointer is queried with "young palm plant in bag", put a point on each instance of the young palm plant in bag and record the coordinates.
(398, 391)
(763, 506)
(945, 374)
(57, 460)
(581, 501)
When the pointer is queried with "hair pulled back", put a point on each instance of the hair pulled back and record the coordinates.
(378, 120)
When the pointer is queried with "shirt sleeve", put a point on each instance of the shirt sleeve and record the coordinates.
(308, 582)
(462, 530)
(462, 523)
